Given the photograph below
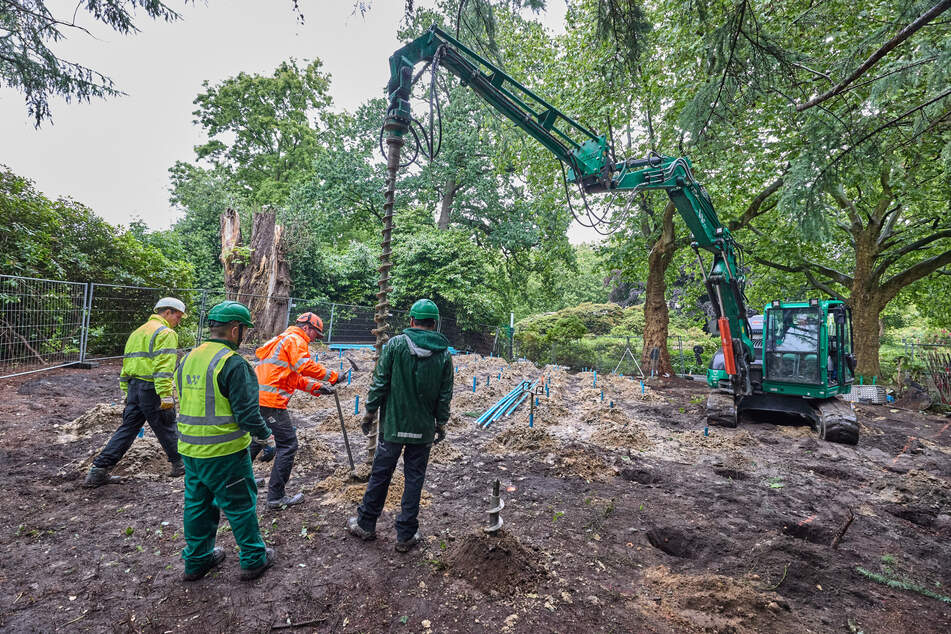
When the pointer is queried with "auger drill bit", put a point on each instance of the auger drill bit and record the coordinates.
(393, 146)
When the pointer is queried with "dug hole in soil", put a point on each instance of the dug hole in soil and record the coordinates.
(620, 515)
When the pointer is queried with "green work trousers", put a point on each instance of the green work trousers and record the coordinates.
(224, 483)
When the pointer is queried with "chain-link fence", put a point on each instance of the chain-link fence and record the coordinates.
(46, 324)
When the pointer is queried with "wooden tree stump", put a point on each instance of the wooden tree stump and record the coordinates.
(258, 274)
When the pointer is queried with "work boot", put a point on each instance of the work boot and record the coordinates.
(99, 476)
(178, 469)
(354, 528)
(253, 573)
(287, 500)
(217, 556)
(406, 546)
(259, 482)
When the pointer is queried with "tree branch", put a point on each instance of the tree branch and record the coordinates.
(900, 37)
(891, 258)
(913, 274)
(755, 208)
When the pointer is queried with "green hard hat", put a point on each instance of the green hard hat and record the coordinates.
(424, 309)
(231, 311)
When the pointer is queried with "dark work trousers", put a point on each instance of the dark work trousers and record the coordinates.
(415, 460)
(141, 405)
(285, 444)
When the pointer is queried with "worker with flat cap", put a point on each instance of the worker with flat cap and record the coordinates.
(412, 389)
(285, 365)
(219, 416)
(148, 365)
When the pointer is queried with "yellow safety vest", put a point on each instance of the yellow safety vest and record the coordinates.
(206, 426)
(150, 355)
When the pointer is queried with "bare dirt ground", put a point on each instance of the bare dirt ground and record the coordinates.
(617, 519)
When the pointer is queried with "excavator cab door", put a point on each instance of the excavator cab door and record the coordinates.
(841, 357)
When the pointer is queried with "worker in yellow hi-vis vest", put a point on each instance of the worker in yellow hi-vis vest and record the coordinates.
(219, 415)
(146, 380)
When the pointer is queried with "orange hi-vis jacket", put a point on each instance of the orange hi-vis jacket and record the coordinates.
(286, 365)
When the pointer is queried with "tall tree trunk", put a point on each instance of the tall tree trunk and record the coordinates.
(257, 275)
(656, 314)
(445, 205)
(866, 302)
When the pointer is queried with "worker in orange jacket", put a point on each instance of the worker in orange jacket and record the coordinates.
(285, 365)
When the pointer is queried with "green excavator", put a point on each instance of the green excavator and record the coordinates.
(804, 359)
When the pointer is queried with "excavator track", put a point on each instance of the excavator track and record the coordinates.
(835, 421)
(721, 409)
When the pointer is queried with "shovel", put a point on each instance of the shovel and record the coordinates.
(346, 440)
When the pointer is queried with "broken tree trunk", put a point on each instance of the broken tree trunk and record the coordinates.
(257, 275)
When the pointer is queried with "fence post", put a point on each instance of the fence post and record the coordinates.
(201, 319)
(87, 314)
(680, 344)
(330, 330)
(290, 305)
(83, 326)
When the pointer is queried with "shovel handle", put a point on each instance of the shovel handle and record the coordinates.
(343, 428)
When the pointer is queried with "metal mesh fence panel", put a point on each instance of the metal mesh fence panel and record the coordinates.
(41, 324)
(115, 311)
(622, 354)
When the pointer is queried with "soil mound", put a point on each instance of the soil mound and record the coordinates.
(145, 459)
(521, 439)
(102, 418)
(628, 436)
(579, 463)
(444, 453)
(339, 489)
(312, 452)
(714, 603)
(496, 563)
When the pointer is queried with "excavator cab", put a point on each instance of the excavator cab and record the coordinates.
(807, 348)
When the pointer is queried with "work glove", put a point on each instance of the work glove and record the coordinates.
(325, 389)
(168, 402)
(369, 420)
(440, 434)
(263, 441)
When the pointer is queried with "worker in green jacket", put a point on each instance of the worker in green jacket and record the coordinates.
(412, 388)
(219, 415)
(146, 381)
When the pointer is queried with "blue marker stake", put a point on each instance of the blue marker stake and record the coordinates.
(356, 405)
(602, 396)
(706, 431)
(531, 419)
(341, 366)
(474, 381)
(611, 404)
(546, 390)
(348, 376)
(642, 387)
(536, 401)
(595, 384)
(488, 380)
(341, 354)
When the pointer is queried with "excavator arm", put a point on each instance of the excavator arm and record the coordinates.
(590, 165)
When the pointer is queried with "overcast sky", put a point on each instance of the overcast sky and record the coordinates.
(113, 154)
